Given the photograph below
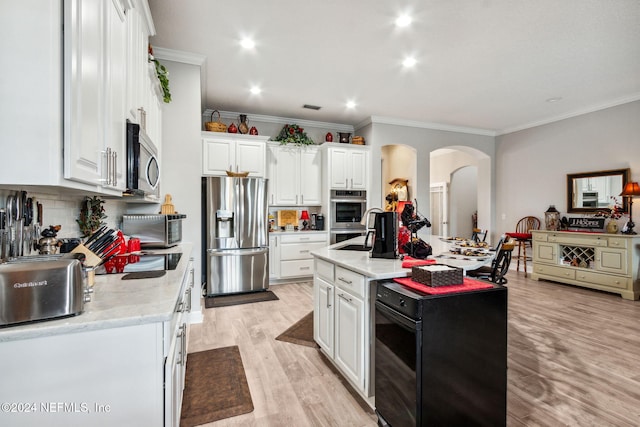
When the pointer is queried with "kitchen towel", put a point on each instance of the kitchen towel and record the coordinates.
(408, 262)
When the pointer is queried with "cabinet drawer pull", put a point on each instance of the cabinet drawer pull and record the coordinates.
(304, 268)
(348, 282)
(306, 251)
(304, 238)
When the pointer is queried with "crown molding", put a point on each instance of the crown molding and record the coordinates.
(620, 101)
(425, 125)
(282, 120)
(179, 56)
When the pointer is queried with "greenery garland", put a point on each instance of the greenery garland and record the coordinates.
(91, 215)
(293, 134)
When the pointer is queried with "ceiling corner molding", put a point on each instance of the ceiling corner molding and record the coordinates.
(145, 11)
(362, 124)
(282, 120)
(592, 109)
(179, 56)
(430, 125)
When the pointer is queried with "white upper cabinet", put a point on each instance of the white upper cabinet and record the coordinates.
(222, 152)
(295, 175)
(347, 167)
(71, 74)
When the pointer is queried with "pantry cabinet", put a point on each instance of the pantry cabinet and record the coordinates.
(607, 262)
(222, 152)
(347, 167)
(295, 175)
(71, 79)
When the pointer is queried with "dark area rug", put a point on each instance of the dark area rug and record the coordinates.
(248, 298)
(300, 333)
(215, 387)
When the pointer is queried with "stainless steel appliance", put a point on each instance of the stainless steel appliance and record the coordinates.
(236, 242)
(39, 289)
(440, 359)
(385, 235)
(347, 210)
(143, 169)
(154, 230)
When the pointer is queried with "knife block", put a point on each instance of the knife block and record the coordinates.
(91, 259)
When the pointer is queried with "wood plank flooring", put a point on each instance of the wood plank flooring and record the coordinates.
(574, 359)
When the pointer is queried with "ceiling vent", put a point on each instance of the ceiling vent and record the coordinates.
(311, 107)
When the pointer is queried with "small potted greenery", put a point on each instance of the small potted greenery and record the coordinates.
(293, 134)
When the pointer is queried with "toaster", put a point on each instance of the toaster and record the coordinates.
(40, 289)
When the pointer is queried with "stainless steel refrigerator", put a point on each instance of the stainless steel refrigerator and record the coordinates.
(235, 240)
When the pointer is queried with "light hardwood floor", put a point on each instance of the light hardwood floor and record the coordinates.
(574, 359)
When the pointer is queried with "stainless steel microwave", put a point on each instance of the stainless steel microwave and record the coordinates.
(143, 169)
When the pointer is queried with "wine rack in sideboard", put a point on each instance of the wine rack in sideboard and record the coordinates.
(608, 262)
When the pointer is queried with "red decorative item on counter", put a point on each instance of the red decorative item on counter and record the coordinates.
(232, 128)
(404, 235)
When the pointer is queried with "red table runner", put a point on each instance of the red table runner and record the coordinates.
(409, 262)
(468, 285)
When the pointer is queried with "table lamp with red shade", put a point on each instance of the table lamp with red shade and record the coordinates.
(631, 190)
(304, 216)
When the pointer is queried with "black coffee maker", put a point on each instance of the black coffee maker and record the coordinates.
(385, 235)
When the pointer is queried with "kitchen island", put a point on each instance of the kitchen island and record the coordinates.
(344, 299)
(120, 362)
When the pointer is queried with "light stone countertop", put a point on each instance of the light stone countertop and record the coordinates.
(380, 268)
(116, 303)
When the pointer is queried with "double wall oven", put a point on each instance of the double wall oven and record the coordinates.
(347, 209)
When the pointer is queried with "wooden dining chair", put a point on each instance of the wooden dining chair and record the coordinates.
(522, 237)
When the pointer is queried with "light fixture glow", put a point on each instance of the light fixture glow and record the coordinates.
(247, 43)
(256, 90)
(403, 21)
(351, 104)
(409, 62)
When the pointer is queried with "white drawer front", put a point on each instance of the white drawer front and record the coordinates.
(565, 273)
(603, 279)
(298, 251)
(303, 238)
(325, 270)
(350, 281)
(296, 268)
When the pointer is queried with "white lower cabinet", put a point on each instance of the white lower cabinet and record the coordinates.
(293, 252)
(274, 257)
(342, 317)
(124, 376)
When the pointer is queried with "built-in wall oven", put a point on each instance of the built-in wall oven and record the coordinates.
(347, 209)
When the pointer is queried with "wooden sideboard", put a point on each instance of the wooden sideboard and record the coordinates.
(608, 262)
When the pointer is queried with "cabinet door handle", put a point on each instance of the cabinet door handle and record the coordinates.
(328, 297)
(188, 297)
(345, 298)
(296, 199)
(114, 165)
(302, 199)
(348, 282)
(351, 182)
(106, 176)
(346, 182)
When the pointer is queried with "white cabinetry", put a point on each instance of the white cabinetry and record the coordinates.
(347, 167)
(72, 63)
(274, 257)
(294, 253)
(342, 317)
(295, 175)
(606, 262)
(94, 92)
(234, 152)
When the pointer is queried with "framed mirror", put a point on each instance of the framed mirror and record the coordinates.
(590, 191)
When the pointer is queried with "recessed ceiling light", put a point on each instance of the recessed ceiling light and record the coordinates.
(247, 43)
(351, 104)
(409, 62)
(554, 99)
(255, 90)
(403, 21)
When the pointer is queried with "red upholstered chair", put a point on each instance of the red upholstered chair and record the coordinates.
(522, 236)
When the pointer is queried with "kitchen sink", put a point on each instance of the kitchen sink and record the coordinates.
(354, 248)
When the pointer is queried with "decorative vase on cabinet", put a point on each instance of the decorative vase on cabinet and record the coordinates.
(612, 226)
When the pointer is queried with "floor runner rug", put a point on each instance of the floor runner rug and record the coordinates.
(215, 387)
(226, 300)
(300, 332)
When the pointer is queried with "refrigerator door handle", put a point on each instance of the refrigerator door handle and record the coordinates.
(237, 252)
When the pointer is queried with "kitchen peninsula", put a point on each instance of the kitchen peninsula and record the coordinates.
(120, 362)
(345, 284)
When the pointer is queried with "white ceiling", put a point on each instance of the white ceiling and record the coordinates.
(485, 64)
